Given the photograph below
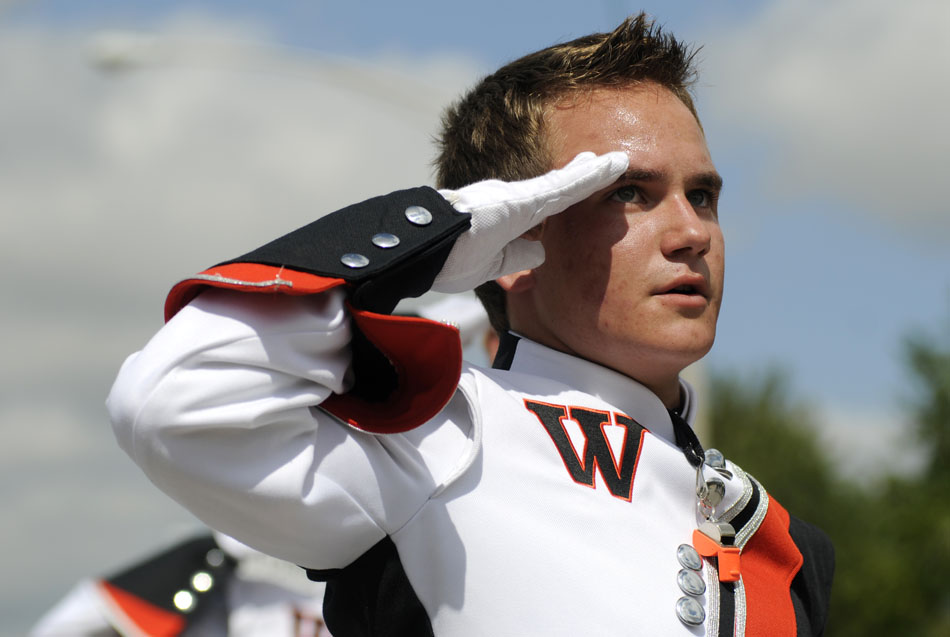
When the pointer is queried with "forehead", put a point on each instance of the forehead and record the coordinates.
(647, 121)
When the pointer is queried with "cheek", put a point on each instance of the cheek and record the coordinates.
(717, 258)
(578, 259)
(585, 236)
(631, 256)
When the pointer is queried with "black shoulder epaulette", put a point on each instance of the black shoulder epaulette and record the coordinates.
(171, 591)
(381, 251)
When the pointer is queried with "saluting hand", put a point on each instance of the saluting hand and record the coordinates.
(502, 212)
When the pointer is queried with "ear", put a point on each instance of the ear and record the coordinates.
(517, 282)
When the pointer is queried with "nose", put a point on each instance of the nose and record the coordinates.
(686, 232)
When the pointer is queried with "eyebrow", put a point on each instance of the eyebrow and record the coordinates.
(711, 180)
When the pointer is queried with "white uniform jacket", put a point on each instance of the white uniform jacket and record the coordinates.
(545, 498)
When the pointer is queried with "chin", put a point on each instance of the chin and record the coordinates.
(689, 348)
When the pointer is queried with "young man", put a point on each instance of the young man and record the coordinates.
(561, 492)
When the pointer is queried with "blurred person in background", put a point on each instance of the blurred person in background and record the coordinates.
(205, 586)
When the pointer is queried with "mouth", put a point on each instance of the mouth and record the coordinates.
(694, 286)
(683, 289)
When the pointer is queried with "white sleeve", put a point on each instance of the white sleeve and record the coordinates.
(220, 411)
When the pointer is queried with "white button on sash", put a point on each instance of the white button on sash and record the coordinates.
(690, 611)
(687, 556)
(691, 582)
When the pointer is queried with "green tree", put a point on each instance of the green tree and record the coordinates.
(927, 355)
(923, 530)
(756, 424)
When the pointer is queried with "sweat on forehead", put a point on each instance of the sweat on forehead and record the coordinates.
(604, 119)
(578, 100)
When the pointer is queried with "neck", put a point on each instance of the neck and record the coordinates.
(667, 388)
(671, 393)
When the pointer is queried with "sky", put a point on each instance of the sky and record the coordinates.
(141, 142)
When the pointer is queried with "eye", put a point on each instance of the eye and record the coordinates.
(701, 198)
(627, 194)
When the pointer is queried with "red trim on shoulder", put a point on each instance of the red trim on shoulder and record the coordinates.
(147, 618)
(770, 561)
(427, 355)
(428, 359)
(247, 277)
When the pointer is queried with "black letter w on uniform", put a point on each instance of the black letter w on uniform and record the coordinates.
(617, 470)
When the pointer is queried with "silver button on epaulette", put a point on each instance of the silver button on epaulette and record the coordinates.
(385, 240)
(418, 215)
(215, 557)
(354, 260)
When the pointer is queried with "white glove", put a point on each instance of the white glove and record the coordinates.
(503, 211)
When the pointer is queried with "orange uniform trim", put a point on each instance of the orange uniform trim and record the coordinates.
(148, 618)
(427, 355)
(247, 277)
(428, 359)
(770, 561)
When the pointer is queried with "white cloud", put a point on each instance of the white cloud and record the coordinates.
(853, 95)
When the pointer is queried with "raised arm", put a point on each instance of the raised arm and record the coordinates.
(258, 406)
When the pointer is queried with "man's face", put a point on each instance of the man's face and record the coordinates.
(633, 275)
